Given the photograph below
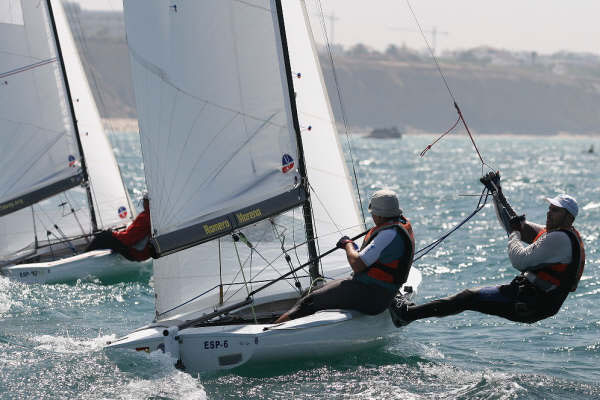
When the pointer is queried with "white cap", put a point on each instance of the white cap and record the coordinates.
(384, 203)
(565, 201)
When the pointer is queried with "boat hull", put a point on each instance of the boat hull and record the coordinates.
(102, 264)
(212, 348)
(321, 334)
(224, 347)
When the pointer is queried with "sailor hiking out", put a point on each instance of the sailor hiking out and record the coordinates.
(551, 261)
(379, 268)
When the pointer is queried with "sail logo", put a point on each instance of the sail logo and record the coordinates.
(250, 215)
(287, 163)
(122, 212)
(72, 160)
(216, 228)
(11, 204)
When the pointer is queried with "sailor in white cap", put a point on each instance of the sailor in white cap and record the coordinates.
(379, 268)
(550, 258)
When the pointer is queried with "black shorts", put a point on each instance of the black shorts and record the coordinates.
(344, 294)
(519, 301)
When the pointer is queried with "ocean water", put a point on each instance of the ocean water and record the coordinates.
(51, 336)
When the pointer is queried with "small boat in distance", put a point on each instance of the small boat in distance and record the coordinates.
(386, 133)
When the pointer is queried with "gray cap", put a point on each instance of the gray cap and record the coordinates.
(384, 203)
(565, 201)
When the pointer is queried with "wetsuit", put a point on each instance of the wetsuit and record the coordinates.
(362, 292)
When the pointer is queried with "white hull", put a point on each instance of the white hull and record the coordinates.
(222, 347)
(101, 264)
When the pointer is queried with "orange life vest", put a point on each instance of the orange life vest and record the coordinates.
(394, 271)
(565, 276)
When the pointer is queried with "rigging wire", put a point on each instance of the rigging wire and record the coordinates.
(455, 103)
(27, 67)
(268, 264)
(248, 259)
(74, 213)
(227, 296)
(342, 108)
(425, 250)
(244, 277)
(295, 248)
(313, 191)
(288, 259)
(207, 291)
(220, 273)
(422, 154)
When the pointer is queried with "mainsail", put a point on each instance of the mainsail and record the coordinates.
(43, 152)
(222, 149)
(39, 156)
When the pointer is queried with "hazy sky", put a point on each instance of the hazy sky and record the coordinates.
(545, 26)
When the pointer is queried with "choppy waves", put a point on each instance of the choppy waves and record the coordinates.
(52, 336)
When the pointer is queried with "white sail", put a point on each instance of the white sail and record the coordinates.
(217, 297)
(17, 236)
(216, 131)
(111, 202)
(39, 155)
(334, 207)
(189, 280)
(213, 111)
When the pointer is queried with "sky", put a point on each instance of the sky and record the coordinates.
(545, 26)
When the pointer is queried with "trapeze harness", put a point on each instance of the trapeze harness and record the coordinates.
(394, 271)
(563, 276)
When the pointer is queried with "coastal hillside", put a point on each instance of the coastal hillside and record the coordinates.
(498, 91)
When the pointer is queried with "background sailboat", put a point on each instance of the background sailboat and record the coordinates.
(60, 180)
(247, 181)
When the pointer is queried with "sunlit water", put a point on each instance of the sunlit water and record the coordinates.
(51, 336)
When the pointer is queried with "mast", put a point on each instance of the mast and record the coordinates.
(306, 207)
(34, 228)
(72, 109)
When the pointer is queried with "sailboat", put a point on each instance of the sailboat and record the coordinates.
(60, 181)
(247, 181)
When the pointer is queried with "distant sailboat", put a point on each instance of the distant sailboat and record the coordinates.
(60, 181)
(386, 133)
(242, 194)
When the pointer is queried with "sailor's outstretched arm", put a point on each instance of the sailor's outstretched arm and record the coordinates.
(502, 214)
(503, 210)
